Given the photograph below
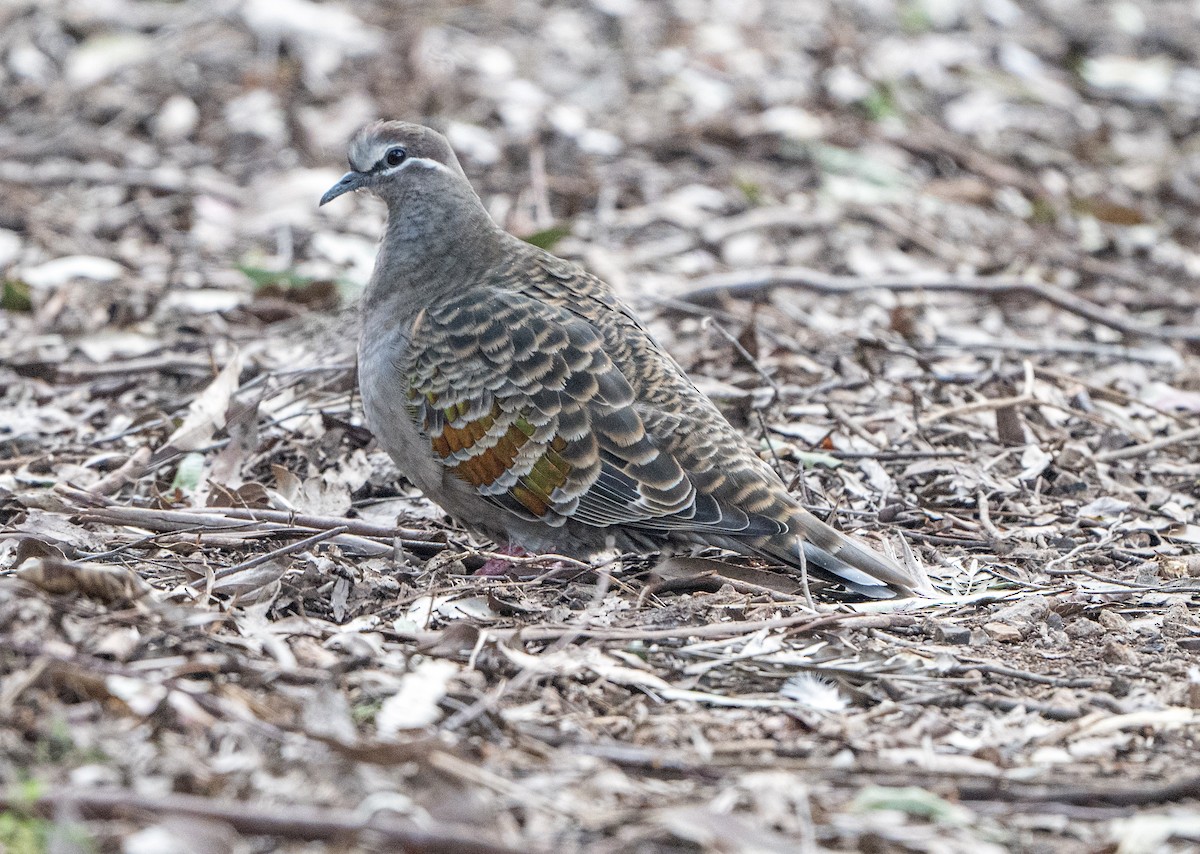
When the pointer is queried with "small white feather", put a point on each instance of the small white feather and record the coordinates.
(814, 692)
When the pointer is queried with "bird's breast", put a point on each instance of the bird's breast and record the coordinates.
(382, 354)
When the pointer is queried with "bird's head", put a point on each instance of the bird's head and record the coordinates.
(397, 160)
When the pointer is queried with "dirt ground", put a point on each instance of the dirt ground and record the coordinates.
(939, 258)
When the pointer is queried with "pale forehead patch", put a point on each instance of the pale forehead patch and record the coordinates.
(371, 143)
(365, 152)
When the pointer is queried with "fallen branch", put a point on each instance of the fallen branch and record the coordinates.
(756, 284)
(895, 456)
(296, 821)
(147, 519)
(1138, 793)
(1028, 676)
(363, 537)
(128, 472)
(284, 551)
(928, 138)
(1158, 354)
(1148, 447)
(798, 623)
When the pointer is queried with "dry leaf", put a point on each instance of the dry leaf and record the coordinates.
(96, 581)
(207, 413)
(415, 704)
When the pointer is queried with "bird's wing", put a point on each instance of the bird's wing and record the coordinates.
(519, 399)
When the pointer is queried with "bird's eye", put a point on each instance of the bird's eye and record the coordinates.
(395, 156)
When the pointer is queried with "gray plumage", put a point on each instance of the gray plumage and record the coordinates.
(518, 392)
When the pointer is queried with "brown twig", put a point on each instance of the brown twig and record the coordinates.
(127, 472)
(1148, 447)
(291, 548)
(300, 821)
(895, 456)
(1014, 673)
(1106, 392)
(173, 520)
(1157, 355)
(974, 407)
(1003, 704)
(846, 420)
(169, 365)
(798, 623)
(164, 179)
(1139, 793)
(360, 535)
(929, 138)
(308, 520)
(710, 323)
(779, 217)
(756, 284)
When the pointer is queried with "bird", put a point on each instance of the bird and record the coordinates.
(518, 392)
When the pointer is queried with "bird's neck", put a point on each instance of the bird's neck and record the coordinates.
(425, 256)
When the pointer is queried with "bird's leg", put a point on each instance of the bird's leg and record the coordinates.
(498, 566)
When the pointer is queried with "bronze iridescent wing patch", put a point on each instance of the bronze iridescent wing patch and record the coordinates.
(523, 403)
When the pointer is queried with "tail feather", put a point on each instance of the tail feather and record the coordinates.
(831, 554)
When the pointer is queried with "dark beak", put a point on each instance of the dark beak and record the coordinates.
(349, 181)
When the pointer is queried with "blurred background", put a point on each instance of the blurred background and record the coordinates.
(184, 143)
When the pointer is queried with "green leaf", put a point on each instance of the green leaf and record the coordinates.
(547, 237)
(1043, 212)
(22, 834)
(914, 801)
(880, 104)
(15, 296)
(857, 164)
(365, 712)
(187, 476)
(30, 790)
(57, 743)
(914, 18)
(812, 459)
(262, 277)
(752, 191)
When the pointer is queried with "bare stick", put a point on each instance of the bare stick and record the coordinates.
(797, 623)
(808, 600)
(307, 520)
(756, 284)
(127, 472)
(299, 821)
(1148, 447)
(176, 520)
(776, 392)
(843, 417)
(288, 517)
(1136, 793)
(363, 536)
(974, 406)
(281, 552)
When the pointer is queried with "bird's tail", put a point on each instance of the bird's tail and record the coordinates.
(830, 554)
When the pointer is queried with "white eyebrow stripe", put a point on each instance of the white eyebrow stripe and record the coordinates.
(423, 162)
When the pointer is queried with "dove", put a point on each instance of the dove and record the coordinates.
(518, 392)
